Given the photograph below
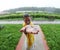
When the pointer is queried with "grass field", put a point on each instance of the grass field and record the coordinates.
(9, 36)
(52, 34)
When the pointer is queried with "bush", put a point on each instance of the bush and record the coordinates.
(37, 15)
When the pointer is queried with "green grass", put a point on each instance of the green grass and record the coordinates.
(52, 34)
(9, 36)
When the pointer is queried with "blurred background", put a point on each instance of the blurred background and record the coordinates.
(38, 9)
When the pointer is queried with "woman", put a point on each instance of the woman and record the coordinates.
(30, 37)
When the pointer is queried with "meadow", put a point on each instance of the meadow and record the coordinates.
(52, 34)
(9, 36)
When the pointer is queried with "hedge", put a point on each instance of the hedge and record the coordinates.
(33, 15)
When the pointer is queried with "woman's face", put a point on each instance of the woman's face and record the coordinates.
(27, 20)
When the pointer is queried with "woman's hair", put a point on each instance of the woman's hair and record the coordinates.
(26, 15)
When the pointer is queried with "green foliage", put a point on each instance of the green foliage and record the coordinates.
(52, 34)
(33, 14)
(9, 36)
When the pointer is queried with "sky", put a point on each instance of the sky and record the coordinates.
(10, 4)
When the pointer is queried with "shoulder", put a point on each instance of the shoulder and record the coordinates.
(24, 24)
(31, 23)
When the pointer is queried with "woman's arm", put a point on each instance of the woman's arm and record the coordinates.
(23, 29)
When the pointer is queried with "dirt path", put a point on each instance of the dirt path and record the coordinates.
(39, 44)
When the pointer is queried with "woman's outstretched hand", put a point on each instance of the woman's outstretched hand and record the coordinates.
(29, 29)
